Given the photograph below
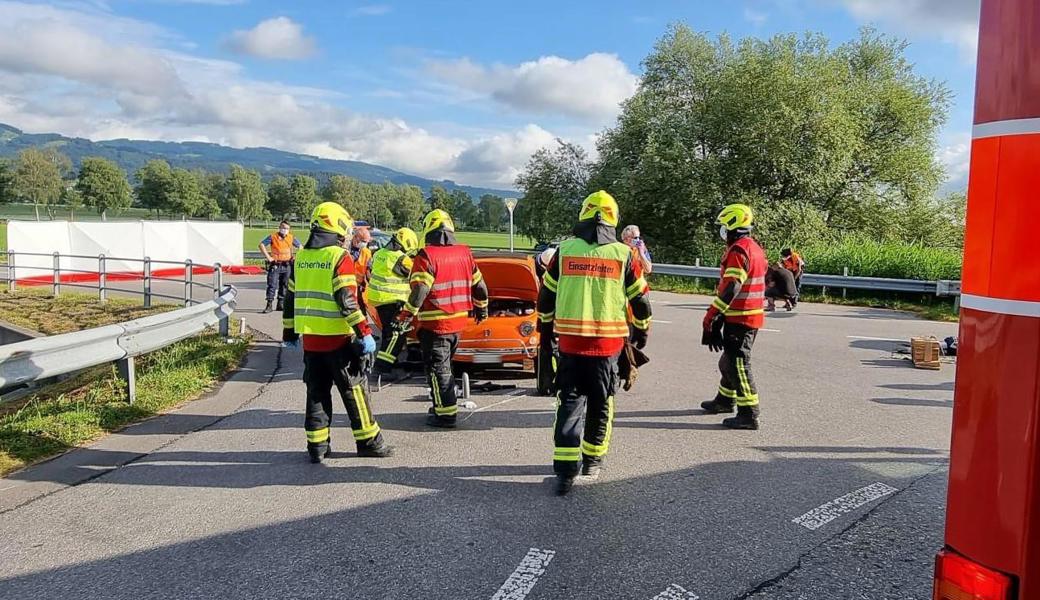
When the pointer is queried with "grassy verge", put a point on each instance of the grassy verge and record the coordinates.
(935, 309)
(86, 407)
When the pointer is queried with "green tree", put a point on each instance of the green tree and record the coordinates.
(440, 198)
(554, 182)
(213, 186)
(6, 181)
(103, 185)
(348, 193)
(492, 212)
(303, 192)
(463, 211)
(155, 186)
(38, 176)
(72, 199)
(407, 206)
(848, 130)
(245, 197)
(186, 196)
(279, 197)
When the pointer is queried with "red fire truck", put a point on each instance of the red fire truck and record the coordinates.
(993, 518)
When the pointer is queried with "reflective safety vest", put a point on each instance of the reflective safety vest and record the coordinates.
(590, 294)
(451, 295)
(385, 286)
(793, 263)
(314, 305)
(747, 308)
(281, 248)
(361, 262)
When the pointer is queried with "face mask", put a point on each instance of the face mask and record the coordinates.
(283, 232)
(723, 233)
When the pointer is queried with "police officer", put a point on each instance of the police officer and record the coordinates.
(388, 290)
(735, 316)
(278, 249)
(445, 287)
(322, 306)
(586, 291)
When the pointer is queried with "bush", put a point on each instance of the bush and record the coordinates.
(867, 258)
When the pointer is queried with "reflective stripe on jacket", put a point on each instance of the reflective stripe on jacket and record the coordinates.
(384, 285)
(591, 298)
(747, 307)
(454, 276)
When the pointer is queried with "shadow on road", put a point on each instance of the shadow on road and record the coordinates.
(914, 402)
(946, 386)
(880, 345)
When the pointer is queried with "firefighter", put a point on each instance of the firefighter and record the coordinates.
(388, 290)
(586, 290)
(735, 316)
(322, 306)
(278, 249)
(446, 286)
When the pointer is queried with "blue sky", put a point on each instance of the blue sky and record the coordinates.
(446, 89)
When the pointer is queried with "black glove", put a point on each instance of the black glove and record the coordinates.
(289, 335)
(480, 313)
(639, 337)
(545, 336)
(712, 336)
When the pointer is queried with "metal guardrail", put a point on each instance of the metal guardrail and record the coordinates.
(42, 358)
(877, 284)
(148, 265)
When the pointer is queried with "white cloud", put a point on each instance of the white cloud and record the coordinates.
(755, 17)
(81, 74)
(277, 38)
(953, 21)
(590, 88)
(373, 10)
(955, 157)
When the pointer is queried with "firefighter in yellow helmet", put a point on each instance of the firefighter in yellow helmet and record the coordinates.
(735, 316)
(446, 287)
(388, 290)
(321, 305)
(586, 291)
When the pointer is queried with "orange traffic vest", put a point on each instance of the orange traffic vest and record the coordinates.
(361, 264)
(446, 308)
(793, 263)
(748, 307)
(281, 248)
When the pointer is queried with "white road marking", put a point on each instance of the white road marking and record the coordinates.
(877, 339)
(522, 580)
(770, 330)
(675, 592)
(662, 321)
(825, 513)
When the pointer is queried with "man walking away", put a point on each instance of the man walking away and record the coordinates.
(585, 292)
(735, 316)
(780, 286)
(278, 250)
(446, 286)
(322, 306)
(388, 290)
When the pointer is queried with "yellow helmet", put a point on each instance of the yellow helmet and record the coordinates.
(736, 216)
(331, 217)
(435, 219)
(407, 239)
(602, 204)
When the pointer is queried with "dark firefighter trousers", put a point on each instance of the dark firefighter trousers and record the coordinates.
(437, 352)
(390, 343)
(584, 410)
(738, 384)
(277, 280)
(343, 368)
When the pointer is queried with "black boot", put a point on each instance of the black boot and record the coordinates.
(269, 307)
(747, 418)
(563, 485)
(280, 306)
(715, 407)
(591, 467)
(377, 448)
(435, 420)
(317, 454)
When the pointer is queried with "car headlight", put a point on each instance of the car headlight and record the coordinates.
(526, 328)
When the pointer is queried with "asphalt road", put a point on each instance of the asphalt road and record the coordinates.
(839, 495)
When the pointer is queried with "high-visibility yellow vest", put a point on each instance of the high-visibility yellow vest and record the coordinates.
(315, 310)
(385, 286)
(590, 293)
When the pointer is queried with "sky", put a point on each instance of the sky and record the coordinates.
(447, 89)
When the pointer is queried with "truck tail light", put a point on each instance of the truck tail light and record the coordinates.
(957, 578)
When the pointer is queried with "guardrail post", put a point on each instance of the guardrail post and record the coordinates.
(56, 284)
(218, 279)
(10, 272)
(844, 291)
(697, 280)
(126, 370)
(187, 282)
(102, 278)
(147, 282)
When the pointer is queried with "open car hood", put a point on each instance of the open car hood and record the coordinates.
(509, 277)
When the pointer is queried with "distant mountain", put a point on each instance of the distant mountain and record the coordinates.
(133, 154)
